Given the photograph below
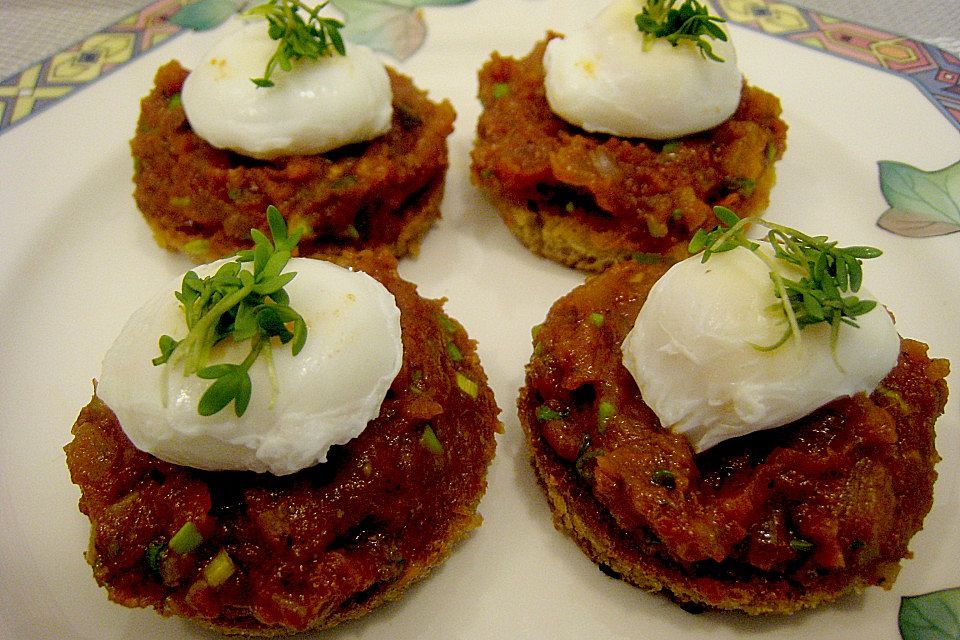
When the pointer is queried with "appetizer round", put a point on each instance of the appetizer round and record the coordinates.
(770, 522)
(262, 554)
(204, 200)
(588, 200)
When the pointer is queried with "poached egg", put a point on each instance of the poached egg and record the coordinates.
(692, 354)
(319, 105)
(604, 79)
(325, 395)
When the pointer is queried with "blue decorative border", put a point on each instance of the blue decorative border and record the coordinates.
(934, 71)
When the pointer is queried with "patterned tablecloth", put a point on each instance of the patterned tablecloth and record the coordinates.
(50, 47)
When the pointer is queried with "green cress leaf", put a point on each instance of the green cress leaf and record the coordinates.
(313, 38)
(232, 384)
(242, 306)
(167, 346)
(690, 22)
(830, 274)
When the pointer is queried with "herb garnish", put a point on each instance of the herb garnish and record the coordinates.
(241, 305)
(298, 38)
(801, 546)
(828, 271)
(690, 22)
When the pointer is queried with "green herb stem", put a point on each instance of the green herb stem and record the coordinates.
(297, 38)
(198, 342)
(242, 305)
(827, 272)
(690, 22)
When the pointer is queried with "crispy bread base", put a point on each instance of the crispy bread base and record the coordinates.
(573, 243)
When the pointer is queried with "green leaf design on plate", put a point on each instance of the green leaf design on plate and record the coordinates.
(204, 14)
(931, 616)
(395, 27)
(922, 203)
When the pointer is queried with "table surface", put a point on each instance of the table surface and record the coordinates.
(31, 30)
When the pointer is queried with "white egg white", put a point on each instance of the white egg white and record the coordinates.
(692, 352)
(604, 79)
(324, 396)
(319, 105)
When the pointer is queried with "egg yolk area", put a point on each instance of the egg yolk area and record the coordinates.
(321, 544)
(827, 500)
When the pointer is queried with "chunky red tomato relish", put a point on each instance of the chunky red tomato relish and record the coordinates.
(321, 545)
(771, 521)
(655, 194)
(204, 201)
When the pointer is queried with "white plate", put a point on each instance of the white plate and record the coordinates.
(77, 258)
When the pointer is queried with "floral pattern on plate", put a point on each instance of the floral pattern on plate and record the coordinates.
(394, 27)
(922, 203)
(931, 616)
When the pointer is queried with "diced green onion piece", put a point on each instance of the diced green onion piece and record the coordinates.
(893, 396)
(179, 201)
(801, 546)
(500, 89)
(656, 228)
(219, 569)
(430, 441)
(605, 411)
(467, 385)
(196, 248)
(174, 101)
(545, 413)
(416, 382)
(646, 258)
(186, 539)
(454, 352)
(596, 318)
(448, 325)
(535, 330)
